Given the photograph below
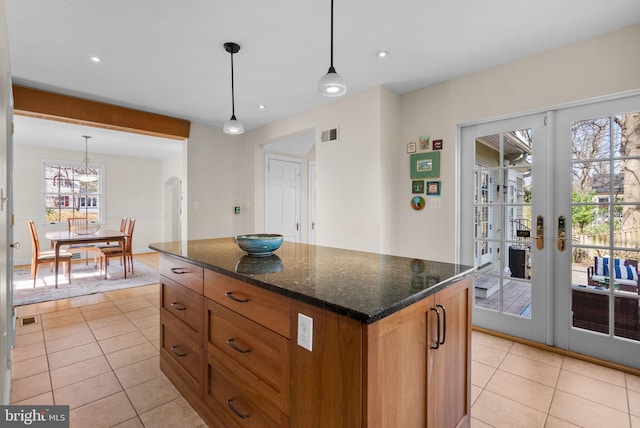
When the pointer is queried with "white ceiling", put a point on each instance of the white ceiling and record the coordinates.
(166, 56)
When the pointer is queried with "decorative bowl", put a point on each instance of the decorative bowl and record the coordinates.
(259, 265)
(89, 229)
(259, 244)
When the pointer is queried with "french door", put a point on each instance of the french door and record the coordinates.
(504, 200)
(550, 216)
(598, 193)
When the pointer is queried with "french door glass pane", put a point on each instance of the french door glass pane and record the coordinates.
(503, 196)
(606, 224)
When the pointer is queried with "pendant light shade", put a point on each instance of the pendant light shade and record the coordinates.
(232, 126)
(332, 84)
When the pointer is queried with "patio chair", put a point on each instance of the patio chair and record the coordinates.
(625, 273)
(39, 257)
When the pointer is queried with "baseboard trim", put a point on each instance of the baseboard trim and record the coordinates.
(563, 352)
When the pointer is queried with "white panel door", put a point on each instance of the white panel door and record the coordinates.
(283, 198)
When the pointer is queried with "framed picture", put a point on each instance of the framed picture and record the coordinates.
(411, 147)
(417, 186)
(424, 142)
(433, 188)
(425, 165)
(417, 203)
(437, 144)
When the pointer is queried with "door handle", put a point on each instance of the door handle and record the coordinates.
(561, 232)
(540, 233)
(15, 245)
(297, 226)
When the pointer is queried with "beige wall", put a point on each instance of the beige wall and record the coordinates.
(596, 67)
(350, 174)
(134, 188)
(212, 182)
(363, 180)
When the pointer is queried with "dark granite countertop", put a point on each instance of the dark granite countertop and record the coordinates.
(363, 286)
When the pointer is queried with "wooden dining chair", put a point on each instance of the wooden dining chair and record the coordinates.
(39, 257)
(107, 252)
(99, 247)
(79, 222)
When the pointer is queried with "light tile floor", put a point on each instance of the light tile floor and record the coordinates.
(515, 385)
(100, 355)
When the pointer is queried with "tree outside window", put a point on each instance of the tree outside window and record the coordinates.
(67, 196)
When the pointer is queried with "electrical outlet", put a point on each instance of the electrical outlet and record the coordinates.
(305, 331)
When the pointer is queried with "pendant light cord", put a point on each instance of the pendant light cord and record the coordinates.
(332, 35)
(233, 99)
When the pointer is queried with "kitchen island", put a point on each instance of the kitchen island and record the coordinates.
(315, 336)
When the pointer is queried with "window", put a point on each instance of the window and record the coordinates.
(67, 194)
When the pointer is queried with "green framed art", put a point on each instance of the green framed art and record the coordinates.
(425, 165)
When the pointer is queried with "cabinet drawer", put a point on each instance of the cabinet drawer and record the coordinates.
(183, 304)
(235, 407)
(185, 355)
(182, 272)
(262, 306)
(245, 346)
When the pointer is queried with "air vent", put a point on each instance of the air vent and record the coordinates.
(27, 320)
(329, 135)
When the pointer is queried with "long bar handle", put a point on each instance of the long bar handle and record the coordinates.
(444, 323)
(437, 345)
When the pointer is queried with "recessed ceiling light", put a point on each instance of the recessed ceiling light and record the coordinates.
(382, 54)
(95, 58)
(262, 106)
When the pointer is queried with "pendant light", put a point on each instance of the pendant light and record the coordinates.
(86, 174)
(233, 126)
(332, 84)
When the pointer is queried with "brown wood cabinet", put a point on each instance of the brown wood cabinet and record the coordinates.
(242, 366)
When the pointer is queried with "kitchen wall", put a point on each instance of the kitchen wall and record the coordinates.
(134, 188)
(363, 180)
(596, 67)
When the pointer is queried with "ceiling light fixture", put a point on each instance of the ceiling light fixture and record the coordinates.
(87, 173)
(332, 84)
(233, 126)
(382, 54)
(95, 59)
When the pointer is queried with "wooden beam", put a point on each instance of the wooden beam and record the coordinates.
(48, 105)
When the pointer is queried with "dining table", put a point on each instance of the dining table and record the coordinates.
(68, 237)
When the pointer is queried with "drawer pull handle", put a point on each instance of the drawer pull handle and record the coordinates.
(178, 306)
(235, 347)
(234, 410)
(230, 295)
(174, 349)
(179, 271)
